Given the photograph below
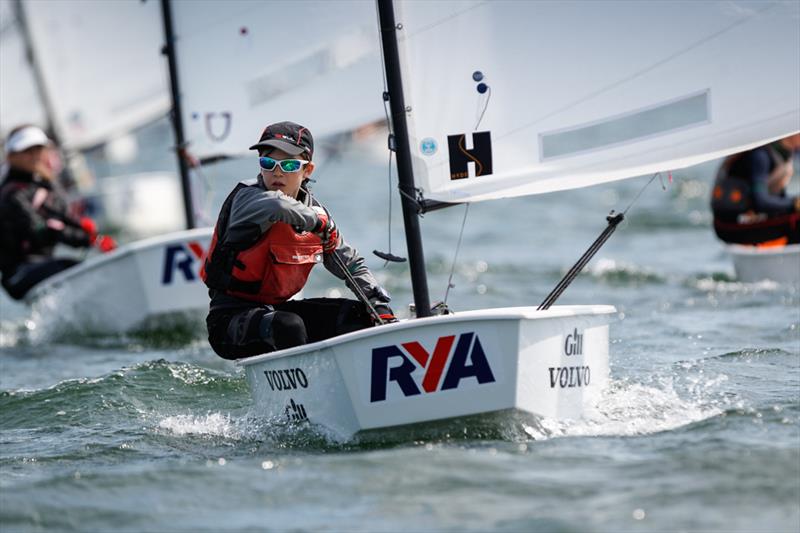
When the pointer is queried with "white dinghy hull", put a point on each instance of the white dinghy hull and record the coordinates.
(550, 363)
(136, 286)
(779, 264)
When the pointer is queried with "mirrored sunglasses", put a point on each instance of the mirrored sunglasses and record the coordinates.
(287, 165)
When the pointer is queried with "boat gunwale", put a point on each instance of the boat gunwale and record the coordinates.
(97, 261)
(499, 313)
(753, 250)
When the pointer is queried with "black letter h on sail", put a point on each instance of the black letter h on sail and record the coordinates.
(460, 157)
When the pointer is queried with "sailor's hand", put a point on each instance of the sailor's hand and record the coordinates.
(326, 230)
(105, 243)
(797, 204)
(385, 312)
(780, 177)
(88, 225)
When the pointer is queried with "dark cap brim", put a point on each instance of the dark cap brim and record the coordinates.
(289, 148)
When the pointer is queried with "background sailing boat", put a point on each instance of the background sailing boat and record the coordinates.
(72, 49)
(66, 50)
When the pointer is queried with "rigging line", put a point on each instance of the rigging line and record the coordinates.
(389, 125)
(389, 220)
(195, 166)
(485, 106)
(455, 15)
(455, 256)
(654, 176)
(207, 196)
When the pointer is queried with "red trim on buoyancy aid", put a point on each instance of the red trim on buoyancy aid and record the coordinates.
(274, 269)
(790, 220)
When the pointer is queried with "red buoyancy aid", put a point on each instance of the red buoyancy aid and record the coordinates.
(271, 271)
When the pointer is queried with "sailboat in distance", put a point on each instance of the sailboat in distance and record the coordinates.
(500, 99)
(98, 70)
(779, 264)
(223, 84)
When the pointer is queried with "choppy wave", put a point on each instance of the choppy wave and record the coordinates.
(185, 401)
(751, 354)
(166, 332)
(243, 426)
(211, 424)
(646, 221)
(626, 409)
(719, 282)
(144, 389)
(622, 273)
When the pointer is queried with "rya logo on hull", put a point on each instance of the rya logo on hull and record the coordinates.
(391, 364)
(185, 258)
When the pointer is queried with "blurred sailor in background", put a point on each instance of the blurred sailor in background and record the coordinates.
(34, 214)
(749, 198)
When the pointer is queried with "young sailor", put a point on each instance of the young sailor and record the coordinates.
(34, 215)
(269, 235)
(749, 198)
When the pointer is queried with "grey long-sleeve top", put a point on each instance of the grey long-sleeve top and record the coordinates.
(253, 212)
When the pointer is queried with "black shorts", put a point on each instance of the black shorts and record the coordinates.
(25, 276)
(246, 331)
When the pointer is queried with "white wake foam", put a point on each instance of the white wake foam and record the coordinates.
(629, 409)
(210, 425)
(722, 286)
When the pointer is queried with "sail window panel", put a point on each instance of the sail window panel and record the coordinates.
(578, 104)
(692, 110)
(238, 72)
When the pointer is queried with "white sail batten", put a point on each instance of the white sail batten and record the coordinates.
(102, 66)
(581, 93)
(251, 63)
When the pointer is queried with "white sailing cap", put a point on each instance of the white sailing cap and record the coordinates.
(25, 138)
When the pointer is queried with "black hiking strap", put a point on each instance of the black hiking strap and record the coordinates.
(613, 221)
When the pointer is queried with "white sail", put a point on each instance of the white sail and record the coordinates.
(581, 93)
(101, 64)
(19, 100)
(243, 64)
